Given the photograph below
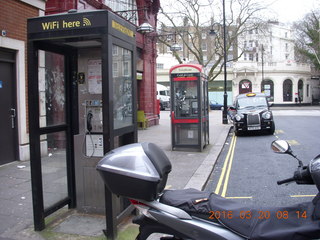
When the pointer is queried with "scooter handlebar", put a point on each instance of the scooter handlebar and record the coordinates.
(285, 181)
(301, 176)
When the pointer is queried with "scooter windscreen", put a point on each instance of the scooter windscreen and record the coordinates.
(314, 168)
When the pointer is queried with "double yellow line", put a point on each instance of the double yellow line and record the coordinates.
(226, 169)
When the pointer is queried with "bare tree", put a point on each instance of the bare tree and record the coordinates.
(189, 19)
(308, 38)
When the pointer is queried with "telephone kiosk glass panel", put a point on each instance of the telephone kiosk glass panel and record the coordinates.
(186, 99)
(122, 85)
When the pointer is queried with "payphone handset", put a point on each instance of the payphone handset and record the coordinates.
(94, 128)
(93, 116)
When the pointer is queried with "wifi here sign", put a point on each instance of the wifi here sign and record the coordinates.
(62, 22)
(65, 24)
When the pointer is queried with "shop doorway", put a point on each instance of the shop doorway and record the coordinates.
(8, 113)
(287, 90)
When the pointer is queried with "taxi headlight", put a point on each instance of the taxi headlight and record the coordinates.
(266, 115)
(238, 117)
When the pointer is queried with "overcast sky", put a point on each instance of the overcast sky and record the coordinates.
(282, 10)
(293, 10)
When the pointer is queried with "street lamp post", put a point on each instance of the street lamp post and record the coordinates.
(225, 95)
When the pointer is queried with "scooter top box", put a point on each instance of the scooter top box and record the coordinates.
(138, 171)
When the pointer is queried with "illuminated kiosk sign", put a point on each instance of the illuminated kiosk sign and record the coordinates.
(79, 23)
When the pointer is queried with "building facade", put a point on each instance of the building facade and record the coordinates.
(266, 64)
(13, 83)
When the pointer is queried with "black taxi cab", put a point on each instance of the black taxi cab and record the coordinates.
(252, 113)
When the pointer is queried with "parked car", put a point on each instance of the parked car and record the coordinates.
(215, 105)
(163, 94)
(252, 113)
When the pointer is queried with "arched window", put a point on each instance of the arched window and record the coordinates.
(287, 90)
(245, 86)
(268, 89)
(300, 91)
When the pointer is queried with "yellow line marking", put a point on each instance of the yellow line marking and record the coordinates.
(224, 168)
(293, 142)
(279, 131)
(225, 186)
(302, 195)
(238, 197)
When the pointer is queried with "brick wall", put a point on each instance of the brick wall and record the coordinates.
(13, 18)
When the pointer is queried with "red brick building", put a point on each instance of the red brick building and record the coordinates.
(13, 82)
(137, 12)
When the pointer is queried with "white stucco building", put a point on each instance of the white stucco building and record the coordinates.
(268, 65)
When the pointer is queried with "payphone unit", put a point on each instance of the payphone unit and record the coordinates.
(189, 107)
(94, 128)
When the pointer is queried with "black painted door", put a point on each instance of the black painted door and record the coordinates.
(7, 109)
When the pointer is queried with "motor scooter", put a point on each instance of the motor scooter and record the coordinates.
(139, 172)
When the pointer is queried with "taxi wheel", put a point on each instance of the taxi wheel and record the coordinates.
(272, 129)
(237, 132)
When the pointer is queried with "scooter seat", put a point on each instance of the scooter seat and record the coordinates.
(276, 223)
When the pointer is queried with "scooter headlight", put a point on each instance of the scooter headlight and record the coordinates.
(266, 115)
(238, 117)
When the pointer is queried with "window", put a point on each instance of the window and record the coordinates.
(267, 87)
(126, 69)
(124, 6)
(204, 46)
(250, 57)
(114, 51)
(203, 35)
(160, 66)
(115, 71)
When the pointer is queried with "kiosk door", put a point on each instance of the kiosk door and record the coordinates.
(50, 135)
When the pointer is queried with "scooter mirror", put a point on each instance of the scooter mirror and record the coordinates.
(281, 146)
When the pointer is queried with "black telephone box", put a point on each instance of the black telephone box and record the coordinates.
(189, 107)
(82, 104)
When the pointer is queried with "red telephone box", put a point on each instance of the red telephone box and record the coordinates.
(189, 107)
